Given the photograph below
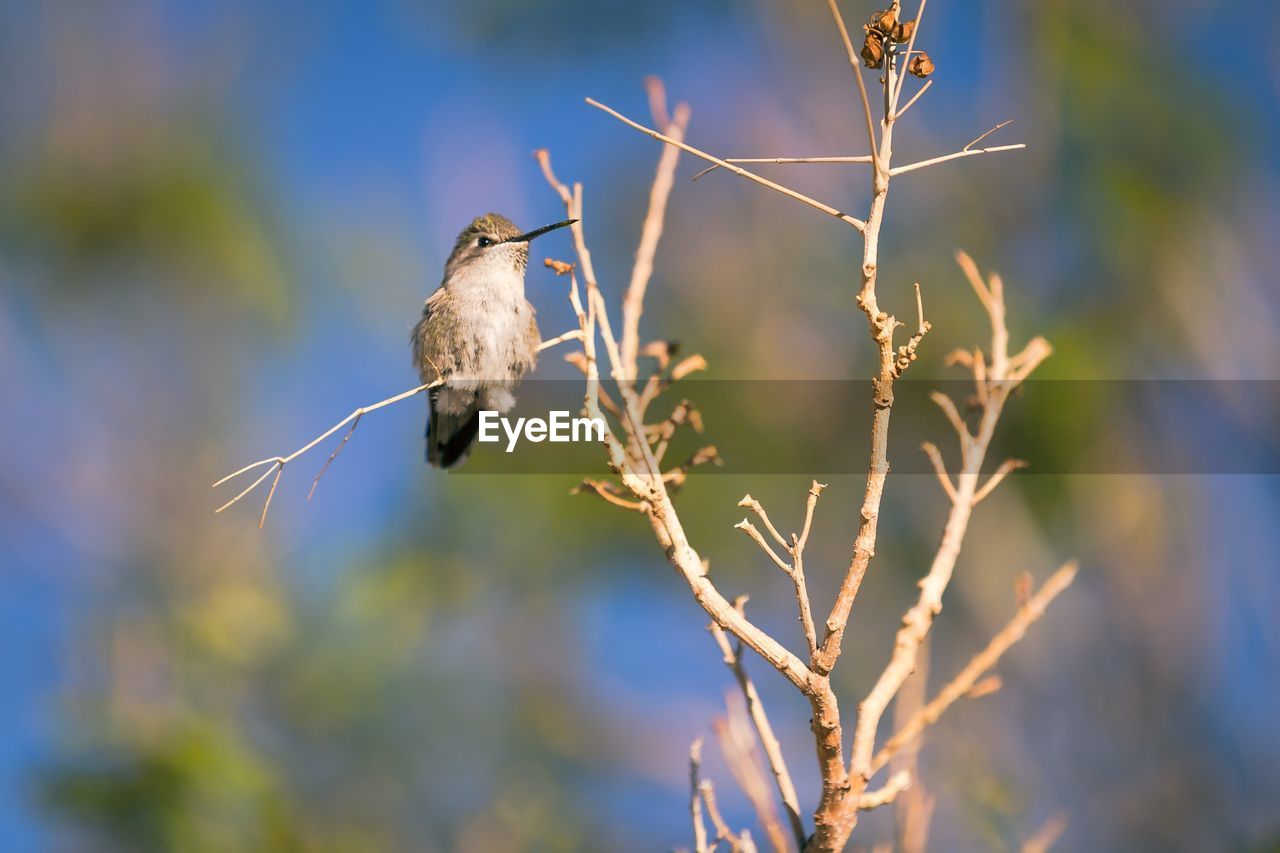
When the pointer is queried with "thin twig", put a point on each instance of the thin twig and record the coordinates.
(914, 98)
(651, 231)
(856, 65)
(983, 661)
(1006, 468)
(717, 820)
(802, 599)
(641, 473)
(737, 170)
(262, 520)
(695, 798)
(251, 486)
(797, 572)
(1047, 835)
(811, 503)
(605, 491)
(571, 335)
(332, 456)
(657, 92)
(772, 749)
(911, 45)
(897, 783)
(920, 617)
(974, 277)
(948, 407)
(277, 463)
(907, 352)
(913, 810)
(750, 529)
(736, 733)
(983, 136)
(973, 152)
(786, 161)
(755, 506)
(939, 467)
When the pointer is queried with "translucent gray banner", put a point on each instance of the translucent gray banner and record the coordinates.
(821, 427)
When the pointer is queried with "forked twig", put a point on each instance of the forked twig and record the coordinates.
(277, 463)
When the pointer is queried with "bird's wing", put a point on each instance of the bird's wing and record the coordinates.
(432, 356)
(533, 339)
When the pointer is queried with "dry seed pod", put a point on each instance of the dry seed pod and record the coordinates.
(884, 21)
(902, 32)
(873, 49)
(921, 65)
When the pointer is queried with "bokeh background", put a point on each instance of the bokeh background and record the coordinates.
(218, 222)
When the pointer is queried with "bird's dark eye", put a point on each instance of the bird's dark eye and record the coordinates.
(484, 242)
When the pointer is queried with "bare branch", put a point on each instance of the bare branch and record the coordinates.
(802, 599)
(914, 98)
(919, 618)
(939, 468)
(1006, 468)
(968, 152)
(785, 161)
(571, 335)
(769, 741)
(262, 520)
(332, 456)
(788, 161)
(641, 474)
(657, 100)
(695, 798)
(277, 463)
(911, 46)
(737, 170)
(736, 734)
(832, 821)
(755, 506)
(274, 467)
(717, 820)
(1029, 359)
(913, 810)
(651, 232)
(948, 407)
(750, 529)
(907, 352)
(1047, 835)
(983, 661)
(606, 491)
(974, 278)
(983, 136)
(856, 65)
(985, 687)
(811, 503)
(797, 573)
(897, 783)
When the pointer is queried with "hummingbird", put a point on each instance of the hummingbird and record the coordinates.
(477, 332)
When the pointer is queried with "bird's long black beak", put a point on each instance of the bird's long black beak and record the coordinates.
(538, 232)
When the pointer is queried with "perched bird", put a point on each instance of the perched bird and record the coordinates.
(477, 332)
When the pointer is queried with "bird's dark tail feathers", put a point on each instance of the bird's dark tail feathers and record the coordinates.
(449, 436)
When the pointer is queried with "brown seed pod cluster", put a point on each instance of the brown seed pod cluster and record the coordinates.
(885, 30)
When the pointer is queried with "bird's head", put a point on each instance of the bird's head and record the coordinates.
(493, 244)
